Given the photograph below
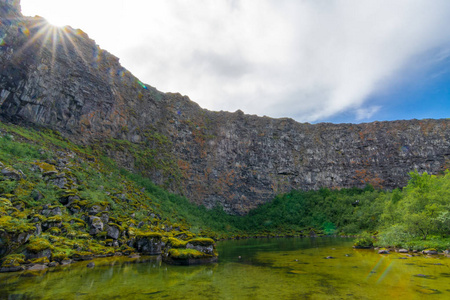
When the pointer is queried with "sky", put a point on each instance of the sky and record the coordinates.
(340, 61)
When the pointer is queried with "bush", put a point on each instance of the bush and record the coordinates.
(364, 241)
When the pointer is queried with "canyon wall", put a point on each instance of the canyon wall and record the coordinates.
(60, 79)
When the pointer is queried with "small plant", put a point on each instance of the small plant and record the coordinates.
(364, 241)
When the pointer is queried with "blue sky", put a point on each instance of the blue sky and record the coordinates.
(421, 92)
(314, 61)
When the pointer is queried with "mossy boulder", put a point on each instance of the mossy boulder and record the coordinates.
(82, 255)
(96, 225)
(12, 174)
(38, 248)
(204, 245)
(13, 260)
(67, 197)
(12, 263)
(149, 243)
(97, 208)
(176, 243)
(46, 169)
(13, 233)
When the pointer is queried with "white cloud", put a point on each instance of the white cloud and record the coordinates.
(364, 113)
(309, 60)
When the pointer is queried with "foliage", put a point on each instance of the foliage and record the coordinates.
(364, 240)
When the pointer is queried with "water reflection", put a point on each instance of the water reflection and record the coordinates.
(294, 268)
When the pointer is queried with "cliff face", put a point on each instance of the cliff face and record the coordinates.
(60, 79)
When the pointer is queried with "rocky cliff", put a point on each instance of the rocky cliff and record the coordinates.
(60, 79)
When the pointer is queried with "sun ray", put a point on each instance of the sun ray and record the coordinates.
(79, 52)
(44, 40)
(50, 37)
(63, 41)
(375, 268)
(385, 272)
(41, 31)
(54, 44)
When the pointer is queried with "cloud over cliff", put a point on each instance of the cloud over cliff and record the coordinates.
(310, 60)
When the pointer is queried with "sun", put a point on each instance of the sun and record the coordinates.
(56, 21)
(49, 37)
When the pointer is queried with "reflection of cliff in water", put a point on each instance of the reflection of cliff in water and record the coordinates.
(284, 268)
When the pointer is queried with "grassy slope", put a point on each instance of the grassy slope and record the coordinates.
(56, 172)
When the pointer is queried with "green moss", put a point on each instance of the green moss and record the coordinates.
(79, 225)
(101, 234)
(54, 219)
(186, 254)
(54, 231)
(77, 220)
(148, 234)
(5, 202)
(41, 218)
(42, 260)
(45, 167)
(19, 214)
(14, 225)
(176, 243)
(117, 226)
(202, 242)
(184, 235)
(84, 236)
(83, 203)
(13, 260)
(59, 256)
(125, 249)
(38, 244)
(79, 254)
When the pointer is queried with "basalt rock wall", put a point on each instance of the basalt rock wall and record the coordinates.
(60, 79)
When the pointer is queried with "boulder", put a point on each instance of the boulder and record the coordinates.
(112, 231)
(9, 241)
(95, 209)
(82, 256)
(66, 262)
(149, 244)
(51, 211)
(430, 252)
(53, 264)
(383, 251)
(95, 224)
(207, 249)
(11, 174)
(105, 217)
(39, 254)
(60, 180)
(37, 267)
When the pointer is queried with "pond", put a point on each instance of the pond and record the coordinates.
(287, 268)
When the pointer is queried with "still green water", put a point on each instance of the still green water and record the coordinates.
(288, 268)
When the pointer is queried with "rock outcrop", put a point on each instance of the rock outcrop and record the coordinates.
(65, 82)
